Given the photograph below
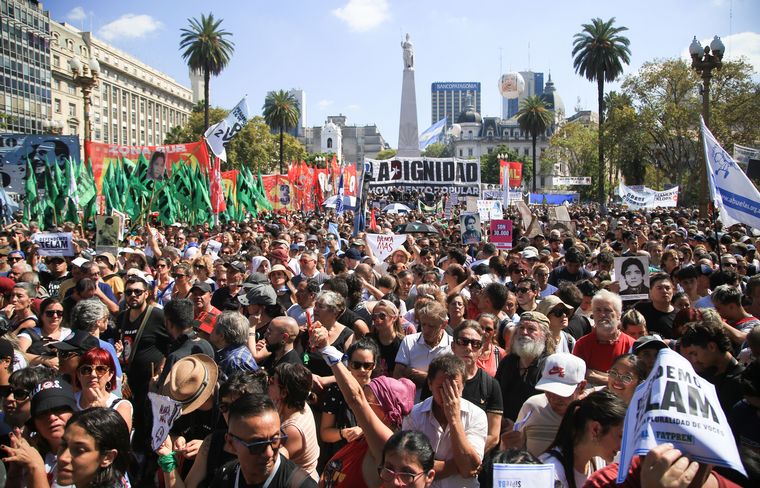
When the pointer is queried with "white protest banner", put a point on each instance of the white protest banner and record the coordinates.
(571, 180)
(447, 175)
(742, 154)
(496, 211)
(54, 243)
(219, 135)
(667, 198)
(523, 475)
(471, 204)
(676, 405)
(165, 412)
(213, 247)
(484, 207)
(645, 197)
(383, 245)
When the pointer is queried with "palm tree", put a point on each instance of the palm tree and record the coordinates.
(281, 111)
(599, 53)
(534, 118)
(206, 49)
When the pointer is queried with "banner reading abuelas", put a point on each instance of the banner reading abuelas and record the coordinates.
(102, 155)
(449, 175)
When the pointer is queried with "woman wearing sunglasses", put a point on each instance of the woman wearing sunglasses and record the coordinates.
(559, 314)
(387, 332)
(94, 451)
(202, 267)
(379, 407)
(164, 281)
(33, 341)
(96, 382)
(289, 388)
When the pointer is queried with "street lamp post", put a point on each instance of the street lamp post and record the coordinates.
(703, 63)
(86, 77)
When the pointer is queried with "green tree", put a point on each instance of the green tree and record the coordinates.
(207, 49)
(281, 111)
(178, 135)
(599, 52)
(438, 150)
(386, 154)
(534, 118)
(625, 140)
(575, 145)
(489, 165)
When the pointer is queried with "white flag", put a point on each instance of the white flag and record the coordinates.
(219, 135)
(732, 192)
(383, 245)
(165, 411)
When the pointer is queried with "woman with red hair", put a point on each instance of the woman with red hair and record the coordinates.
(95, 381)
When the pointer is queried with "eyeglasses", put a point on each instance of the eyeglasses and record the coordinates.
(559, 312)
(100, 370)
(258, 447)
(361, 365)
(523, 290)
(387, 474)
(626, 379)
(134, 292)
(199, 266)
(19, 394)
(464, 342)
(177, 276)
(53, 313)
(305, 261)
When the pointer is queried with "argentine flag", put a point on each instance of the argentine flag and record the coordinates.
(432, 133)
(732, 192)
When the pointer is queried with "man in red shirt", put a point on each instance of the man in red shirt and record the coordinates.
(606, 341)
(204, 313)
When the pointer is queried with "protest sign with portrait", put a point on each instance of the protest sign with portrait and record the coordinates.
(470, 225)
(633, 276)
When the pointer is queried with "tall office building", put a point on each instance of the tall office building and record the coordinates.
(133, 104)
(25, 66)
(534, 85)
(448, 99)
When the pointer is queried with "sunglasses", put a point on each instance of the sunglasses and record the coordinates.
(464, 342)
(199, 266)
(258, 447)
(133, 292)
(53, 313)
(362, 365)
(19, 394)
(559, 312)
(523, 290)
(176, 276)
(161, 266)
(379, 316)
(488, 329)
(15, 258)
(100, 370)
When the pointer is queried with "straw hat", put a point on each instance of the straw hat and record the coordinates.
(191, 381)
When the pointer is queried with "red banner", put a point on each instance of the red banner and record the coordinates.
(102, 155)
(283, 195)
(350, 181)
(514, 170)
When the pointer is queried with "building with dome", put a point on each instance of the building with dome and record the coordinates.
(473, 135)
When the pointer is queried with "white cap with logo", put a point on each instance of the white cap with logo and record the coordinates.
(562, 374)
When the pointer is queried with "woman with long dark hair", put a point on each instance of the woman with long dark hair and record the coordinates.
(33, 341)
(588, 438)
(94, 451)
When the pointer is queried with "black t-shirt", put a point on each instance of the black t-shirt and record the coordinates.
(480, 390)
(291, 357)
(578, 326)
(185, 345)
(518, 385)
(224, 300)
(387, 355)
(349, 318)
(657, 322)
(728, 385)
(288, 475)
(561, 274)
(51, 283)
(153, 345)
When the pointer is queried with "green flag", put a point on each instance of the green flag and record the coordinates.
(30, 189)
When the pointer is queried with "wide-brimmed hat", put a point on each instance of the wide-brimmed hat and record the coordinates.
(278, 267)
(191, 381)
(549, 303)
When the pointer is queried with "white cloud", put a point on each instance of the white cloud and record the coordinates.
(76, 14)
(323, 104)
(363, 15)
(743, 44)
(353, 106)
(130, 26)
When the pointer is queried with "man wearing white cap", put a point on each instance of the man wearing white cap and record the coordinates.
(562, 381)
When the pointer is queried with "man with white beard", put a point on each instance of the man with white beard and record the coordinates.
(606, 342)
(521, 369)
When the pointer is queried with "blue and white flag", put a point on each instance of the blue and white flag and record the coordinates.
(432, 134)
(733, 193)
(341, 193)
(8, 206)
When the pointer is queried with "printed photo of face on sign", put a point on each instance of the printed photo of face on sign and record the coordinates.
(470, 225)
(633, 276)
(157, 166)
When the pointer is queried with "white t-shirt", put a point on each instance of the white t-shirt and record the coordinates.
(595, 464)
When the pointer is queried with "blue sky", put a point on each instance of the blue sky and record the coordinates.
(346, 54)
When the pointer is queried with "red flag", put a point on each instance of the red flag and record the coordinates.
(217, 195)
(372, 221)
(335, 170)
(319, 197)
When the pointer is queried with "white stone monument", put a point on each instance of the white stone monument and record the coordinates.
(408, 132)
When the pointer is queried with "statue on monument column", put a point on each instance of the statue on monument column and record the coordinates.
(408, 48)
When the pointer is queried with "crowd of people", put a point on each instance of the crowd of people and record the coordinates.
(300, 359)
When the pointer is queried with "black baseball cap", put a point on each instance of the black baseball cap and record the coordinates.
(52, 395)
(202, 286)
(80, 341)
